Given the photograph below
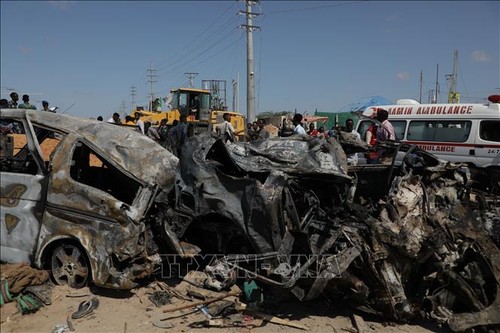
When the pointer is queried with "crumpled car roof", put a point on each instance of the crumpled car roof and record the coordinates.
(129, 149)
(293, 155)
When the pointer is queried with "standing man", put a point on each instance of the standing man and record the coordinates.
(263, 132)
(352, 159)
(14, 98)
(163, 132)
(139, 123)
(26, 103)
(181, 132)
(385, 132)
(371, 140)
(115, 119)
(226, 130)
(45, 107)
(297, 119)
(172, 137)
(253, 131)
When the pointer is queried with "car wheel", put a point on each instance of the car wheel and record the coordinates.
(69, 266)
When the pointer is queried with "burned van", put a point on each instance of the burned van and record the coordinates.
(75, 194)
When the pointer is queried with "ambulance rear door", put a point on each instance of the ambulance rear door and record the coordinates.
(487, 143)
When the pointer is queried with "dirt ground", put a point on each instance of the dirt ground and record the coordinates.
(133, 311)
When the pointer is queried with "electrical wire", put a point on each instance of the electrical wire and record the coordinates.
(192, 46)
(203, 52)
(340, 3)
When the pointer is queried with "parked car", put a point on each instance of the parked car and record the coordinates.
(75, 194)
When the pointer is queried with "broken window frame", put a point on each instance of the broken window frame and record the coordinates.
(83, 171)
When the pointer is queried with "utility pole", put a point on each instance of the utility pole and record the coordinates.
(421, 82)
(453, 96)
(133, 93)
(151, 80)
(235, 92)
(123, 109)
(431, 97)
(250, 71)
(191, 76)
(238, 92)
(435, 100)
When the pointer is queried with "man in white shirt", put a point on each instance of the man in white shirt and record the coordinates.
(115, 119)
(226, 130)
(139, 123)
(297, 119)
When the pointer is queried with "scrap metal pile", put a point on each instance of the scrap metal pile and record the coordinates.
(420, 244)
(108, 205)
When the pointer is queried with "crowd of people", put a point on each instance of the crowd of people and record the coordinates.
(379, 131)
(14, 103)
(173, 137)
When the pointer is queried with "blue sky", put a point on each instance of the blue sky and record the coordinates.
(84, 56)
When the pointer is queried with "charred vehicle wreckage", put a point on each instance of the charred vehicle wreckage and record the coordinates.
(400, 240)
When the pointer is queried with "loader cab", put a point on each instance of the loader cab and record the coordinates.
(194, 103)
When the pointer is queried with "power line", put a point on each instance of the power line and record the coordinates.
(203, 52)
(191, 46)
(315, 7)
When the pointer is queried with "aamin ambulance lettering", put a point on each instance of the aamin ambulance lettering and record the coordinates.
(440, 109)
(423, 110)
(400, 111)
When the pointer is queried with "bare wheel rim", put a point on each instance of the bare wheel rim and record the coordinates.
(69, 266)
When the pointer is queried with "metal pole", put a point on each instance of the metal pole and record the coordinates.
(250, 70)
(421, 81)
(437, 84)
(238, 93)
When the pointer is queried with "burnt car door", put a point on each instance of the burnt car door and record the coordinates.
(23, 187)
(84, 181)
(94, 202)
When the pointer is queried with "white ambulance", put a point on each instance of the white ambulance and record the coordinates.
(453, 132)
